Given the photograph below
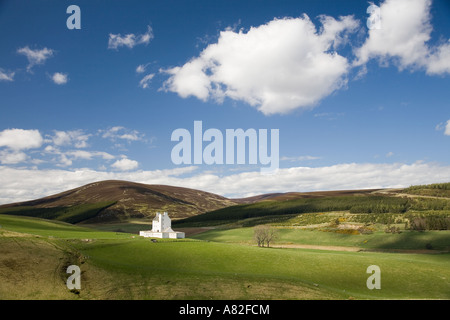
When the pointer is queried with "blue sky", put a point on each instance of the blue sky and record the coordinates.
(355, 107)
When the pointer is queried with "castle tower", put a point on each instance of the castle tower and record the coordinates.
(162, 228)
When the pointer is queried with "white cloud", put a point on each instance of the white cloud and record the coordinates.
(20, 139)
(302, 179)
(125, 164)
(447, 128)
(389, 154)
(25, 184)
(70, 139)
(61, 138)
(283, 65)
(444, 126)
(405, 30)
(59, 78)
(141, 68)
(6, 76)
(61, 148)
(119, 132)
(76, 137)
(12, 157)
(88, 155)
(129, 136)
(144, 82)
(50, 149)
(439, 61)
(64, 161)
(35, 57)
(130, 40)
(66, 158)
(112, 132)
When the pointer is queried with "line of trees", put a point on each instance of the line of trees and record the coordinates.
(440, 186)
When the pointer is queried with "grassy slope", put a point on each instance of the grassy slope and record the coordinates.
(127, 200)
(35, 253)
(207, 270)
(321, 229)
(413, 240)
(431, 190)
(355, 204)
(72, 214)
(118, 266)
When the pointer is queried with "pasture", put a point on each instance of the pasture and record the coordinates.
(35, 252)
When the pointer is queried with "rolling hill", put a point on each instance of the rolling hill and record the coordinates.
(316, 255)
(303, 195)
(114, 200)
(119, 201)
(430, 199)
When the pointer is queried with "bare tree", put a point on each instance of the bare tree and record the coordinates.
(264, 235)
(259, 234)
(272, 235)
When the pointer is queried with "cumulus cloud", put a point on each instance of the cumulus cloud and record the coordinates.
(76, 138)
(62, 148)
(20, 139)
(403, 38)
(36, 56)
(6, 76)
(336, 177)
(125, 164)
(59, 78)
(12, 157)
(129, 40)
(28, 184)
(64, 161)
(439, 60)
(277, 67)
(289, 64)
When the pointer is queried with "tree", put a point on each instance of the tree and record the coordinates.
(259, 234)
(264, 235)
(272, 235)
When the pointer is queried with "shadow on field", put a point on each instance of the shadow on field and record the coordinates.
(423, 242)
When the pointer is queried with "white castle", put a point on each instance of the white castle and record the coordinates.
(162, 228)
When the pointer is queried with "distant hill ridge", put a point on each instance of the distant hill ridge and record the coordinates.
(116, 200)
(130, 200)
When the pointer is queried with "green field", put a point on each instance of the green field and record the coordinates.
(218, 264)
(70, 214)
(437, 240)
